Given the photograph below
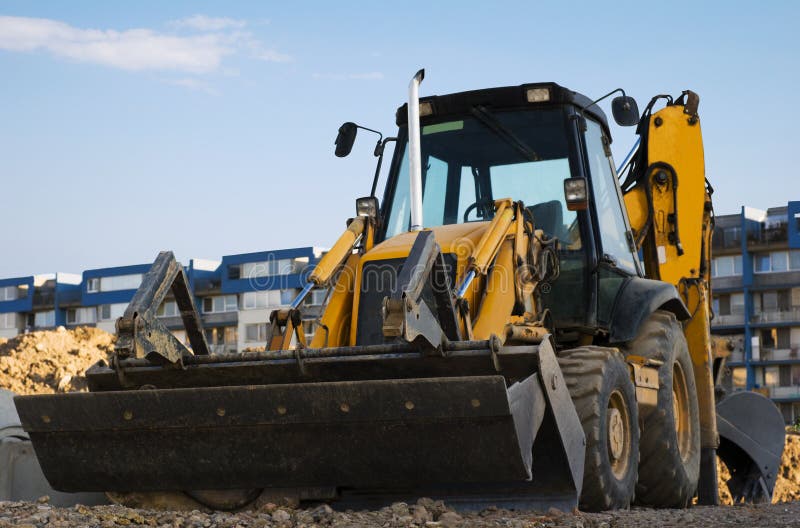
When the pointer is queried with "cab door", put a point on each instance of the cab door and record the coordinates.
(617, 257)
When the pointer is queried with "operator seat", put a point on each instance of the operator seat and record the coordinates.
(549, 217)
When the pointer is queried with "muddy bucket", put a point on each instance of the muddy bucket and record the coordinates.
(462, 437)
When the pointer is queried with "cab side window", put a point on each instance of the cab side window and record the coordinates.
(607, 201)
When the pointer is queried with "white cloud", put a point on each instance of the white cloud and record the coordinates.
(207, 23)
(133, 49)
(193, 84)
(137, 49)
(368, 76)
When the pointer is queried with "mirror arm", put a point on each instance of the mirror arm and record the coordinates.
(612, 92)
(379, 153)
(380, 135)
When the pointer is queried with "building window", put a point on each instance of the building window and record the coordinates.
(168, 309)
(762, 262)
(783, 338)
(732, 236)
(739, 377)
(44, 319)
(9, 293)
(722, 305)
(221, 339)
(794, 259)
(726, 266)
(8, 320)
(316, 297)
(255, 300)
(768, 337)
(219, 304)
(111, 312)
(120, 282)
(255, 333)
(777, 261)
(271, 268)
(771, 377)
(92, 285)
(737, 304)
(287, 296)
(81, 315)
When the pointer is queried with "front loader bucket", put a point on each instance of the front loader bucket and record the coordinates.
(469, 438)
(752, 436)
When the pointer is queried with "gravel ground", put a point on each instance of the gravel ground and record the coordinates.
(425, 513)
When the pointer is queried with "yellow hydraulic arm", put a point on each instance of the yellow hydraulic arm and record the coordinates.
(286, 324)
(669, 205)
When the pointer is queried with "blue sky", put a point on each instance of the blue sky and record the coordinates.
(207, 127)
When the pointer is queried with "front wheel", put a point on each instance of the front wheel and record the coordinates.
(604, 397)
(670, 445)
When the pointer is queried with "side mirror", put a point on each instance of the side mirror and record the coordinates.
(625, 110)
(345, 139)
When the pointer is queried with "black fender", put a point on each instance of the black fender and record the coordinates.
(636, 299)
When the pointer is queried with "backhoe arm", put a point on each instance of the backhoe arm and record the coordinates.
(669, 206)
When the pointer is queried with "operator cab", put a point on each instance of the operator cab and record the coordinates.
(523, 142)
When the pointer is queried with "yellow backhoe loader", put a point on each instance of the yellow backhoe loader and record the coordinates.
(510, 325)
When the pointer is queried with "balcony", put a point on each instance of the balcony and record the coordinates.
(785, 392)
(222, 349)
(773, 236)
(778, 354)
(737, 356)
(728, 320)
(726, 240)
(44, 298)
(789, 315)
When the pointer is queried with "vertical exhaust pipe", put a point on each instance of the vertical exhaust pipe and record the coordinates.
(415, 152)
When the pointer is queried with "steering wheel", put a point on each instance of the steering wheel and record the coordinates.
(475, 205)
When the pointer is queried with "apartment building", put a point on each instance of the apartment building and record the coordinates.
(234, 297)
(36, 302)
(756, 291)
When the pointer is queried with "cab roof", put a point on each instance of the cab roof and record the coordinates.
(504, 97)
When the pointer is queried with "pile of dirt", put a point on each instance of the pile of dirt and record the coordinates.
(787, 487)
(52, 361)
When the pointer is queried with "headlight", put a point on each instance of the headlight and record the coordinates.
(367, 206)
(538, 95)
(576, 194)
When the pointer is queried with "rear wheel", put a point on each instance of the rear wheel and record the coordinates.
(605, 399)
(670, 443)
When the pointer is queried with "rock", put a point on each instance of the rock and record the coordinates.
(281, 516)
(399, 508)
(43, 499)
(322, 512)
(436, 508)
(450, 519)
(405, 520)
(420, 514)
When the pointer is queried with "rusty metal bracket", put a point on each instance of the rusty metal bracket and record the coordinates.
(421, 309)
(283, 326)
(139, 332)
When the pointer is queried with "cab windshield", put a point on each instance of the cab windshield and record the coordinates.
(468, 163)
